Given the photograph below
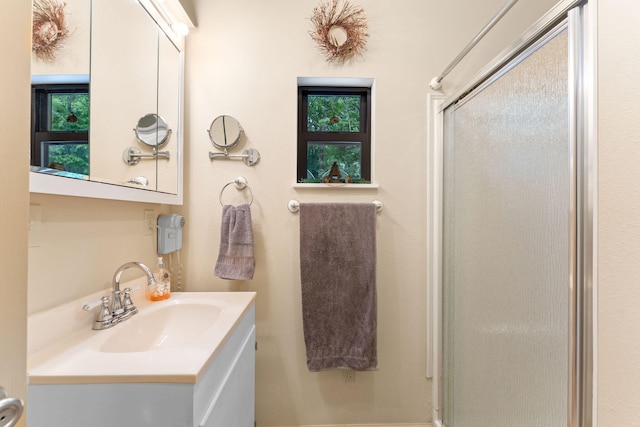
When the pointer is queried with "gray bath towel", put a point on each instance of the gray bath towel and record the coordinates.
(235, 260)
(338, 272)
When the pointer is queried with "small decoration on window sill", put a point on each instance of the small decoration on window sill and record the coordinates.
(49, 28)
(334, 176)
(340, 32)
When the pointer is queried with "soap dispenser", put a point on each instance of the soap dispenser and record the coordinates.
(162, 289)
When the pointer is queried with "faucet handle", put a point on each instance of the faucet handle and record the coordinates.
(129, 308)
(131, 289)
(103, 317)
(91, 305)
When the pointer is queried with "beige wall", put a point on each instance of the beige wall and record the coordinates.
(14, 122)
(243, 60)
(80, 243)
(619, 217)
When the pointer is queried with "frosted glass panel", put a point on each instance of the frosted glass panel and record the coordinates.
(506, 249)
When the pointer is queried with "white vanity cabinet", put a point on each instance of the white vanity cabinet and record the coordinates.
(221, 395)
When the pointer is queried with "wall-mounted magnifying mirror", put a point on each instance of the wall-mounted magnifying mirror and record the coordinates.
(225, 132)
(152, 130)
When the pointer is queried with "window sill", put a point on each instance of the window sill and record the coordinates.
(341, 185)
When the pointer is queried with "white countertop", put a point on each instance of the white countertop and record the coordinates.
(63, 349)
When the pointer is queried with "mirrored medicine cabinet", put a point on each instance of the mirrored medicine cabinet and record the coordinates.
(123, 58)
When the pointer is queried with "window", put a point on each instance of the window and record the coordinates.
(334, 134)
(60, 127)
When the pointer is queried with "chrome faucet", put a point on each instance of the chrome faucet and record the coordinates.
(121, 307)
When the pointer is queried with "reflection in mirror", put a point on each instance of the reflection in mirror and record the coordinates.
(153, 130)
(133, 155)
(338, 35)
(60, 129)
(60, 89)
(139, 180)
(225, 132)
(133, 71)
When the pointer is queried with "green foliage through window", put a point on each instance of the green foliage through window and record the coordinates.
(333, 113)
(321, 156)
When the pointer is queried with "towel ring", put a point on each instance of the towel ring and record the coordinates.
(241, 184)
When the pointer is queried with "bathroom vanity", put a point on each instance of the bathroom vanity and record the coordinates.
(186, 361)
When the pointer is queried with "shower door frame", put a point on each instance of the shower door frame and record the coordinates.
(581, 388)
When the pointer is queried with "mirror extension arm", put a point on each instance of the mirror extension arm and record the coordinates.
(133, 155)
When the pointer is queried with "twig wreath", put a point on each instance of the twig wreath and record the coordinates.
(49, 28)
(340, 32)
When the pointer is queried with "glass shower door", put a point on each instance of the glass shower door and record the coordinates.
(506, 246)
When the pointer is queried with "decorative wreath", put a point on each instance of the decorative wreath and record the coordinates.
(49, 28)
(330, 21)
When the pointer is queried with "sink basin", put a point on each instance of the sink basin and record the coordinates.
(168, 341)
(168, 326)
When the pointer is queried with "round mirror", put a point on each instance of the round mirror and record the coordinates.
(225, 132)
(338, 35)
(152, 130)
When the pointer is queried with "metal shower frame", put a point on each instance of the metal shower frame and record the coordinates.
(581, 23)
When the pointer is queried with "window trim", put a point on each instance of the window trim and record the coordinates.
(363, 137)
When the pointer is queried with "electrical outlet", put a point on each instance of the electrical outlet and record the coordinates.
(149, 222)
(349, 376)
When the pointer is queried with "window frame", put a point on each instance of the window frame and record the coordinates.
(363, 137)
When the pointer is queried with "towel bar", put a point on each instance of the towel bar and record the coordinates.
(294, 205)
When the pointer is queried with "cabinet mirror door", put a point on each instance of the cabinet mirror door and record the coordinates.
(124, 86)
(128, 68)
